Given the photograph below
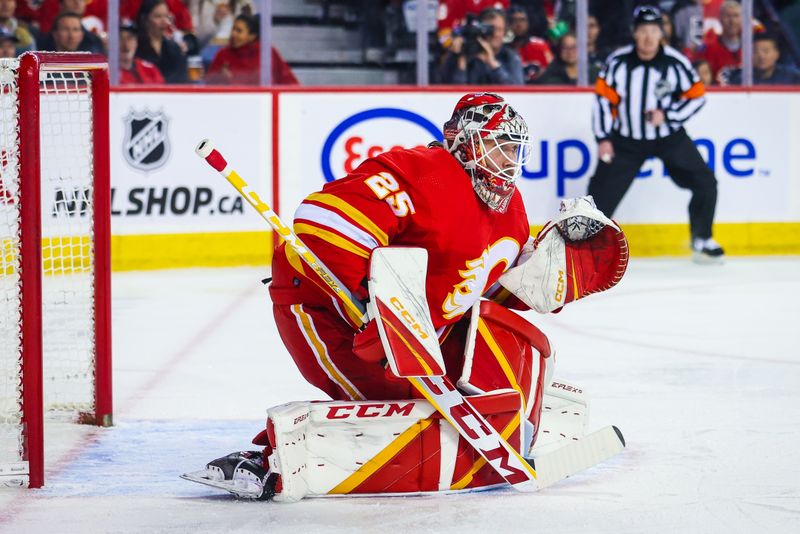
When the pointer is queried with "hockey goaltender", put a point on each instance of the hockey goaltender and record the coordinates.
(394, 296)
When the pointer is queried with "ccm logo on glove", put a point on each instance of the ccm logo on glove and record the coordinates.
(560, 287)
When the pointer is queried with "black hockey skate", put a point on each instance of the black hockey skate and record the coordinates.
(706, 251)
(240, 473)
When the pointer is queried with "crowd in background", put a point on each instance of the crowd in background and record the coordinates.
(534, 41)
(492, 42)
(161, 41)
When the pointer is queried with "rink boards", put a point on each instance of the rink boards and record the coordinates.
(170, 210)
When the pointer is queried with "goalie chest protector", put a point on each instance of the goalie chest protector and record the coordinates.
(468, 244)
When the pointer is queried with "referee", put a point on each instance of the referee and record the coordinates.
(643, 96)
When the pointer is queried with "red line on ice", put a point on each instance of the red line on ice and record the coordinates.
(17, 504)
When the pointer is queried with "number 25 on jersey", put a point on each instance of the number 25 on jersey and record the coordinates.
(385, 187)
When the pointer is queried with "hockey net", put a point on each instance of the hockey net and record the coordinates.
(54, 253)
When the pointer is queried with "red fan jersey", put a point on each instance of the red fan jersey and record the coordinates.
(143, 72)
(420, 197)
(718, 55)
(452, 12)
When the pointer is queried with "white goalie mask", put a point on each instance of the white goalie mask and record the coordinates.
(490, 140)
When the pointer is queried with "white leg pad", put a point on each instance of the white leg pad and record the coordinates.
(379, 447)
(565, 414)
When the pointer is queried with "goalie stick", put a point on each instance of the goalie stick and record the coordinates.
(432, 384)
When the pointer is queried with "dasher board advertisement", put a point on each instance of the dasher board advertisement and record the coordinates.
(324, 136)
(158, 183)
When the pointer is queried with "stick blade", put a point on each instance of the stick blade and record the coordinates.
(570, 459)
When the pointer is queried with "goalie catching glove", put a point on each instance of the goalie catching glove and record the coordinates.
(587, 253)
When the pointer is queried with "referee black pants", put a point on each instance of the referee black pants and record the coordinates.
(681, 160)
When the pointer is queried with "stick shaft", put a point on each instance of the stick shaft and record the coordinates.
(355, 309)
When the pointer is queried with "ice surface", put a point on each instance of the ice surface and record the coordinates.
(698, 365)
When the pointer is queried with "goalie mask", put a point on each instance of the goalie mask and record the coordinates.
(490, 140)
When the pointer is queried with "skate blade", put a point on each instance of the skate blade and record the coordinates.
(241, 488)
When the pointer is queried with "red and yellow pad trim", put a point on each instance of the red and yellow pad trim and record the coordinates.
(464, 481)
(402, 340)
(362, 475)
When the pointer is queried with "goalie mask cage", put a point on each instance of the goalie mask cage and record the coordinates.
(55, 342)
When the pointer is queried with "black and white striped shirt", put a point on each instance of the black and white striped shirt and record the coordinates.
(628, 88)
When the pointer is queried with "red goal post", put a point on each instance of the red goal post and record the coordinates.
(55, 295)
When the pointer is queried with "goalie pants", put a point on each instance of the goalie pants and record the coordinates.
(321, 344)
(681, 160)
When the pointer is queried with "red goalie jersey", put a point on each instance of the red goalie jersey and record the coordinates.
(420, 197)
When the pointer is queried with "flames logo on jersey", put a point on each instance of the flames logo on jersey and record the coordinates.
(476, 276)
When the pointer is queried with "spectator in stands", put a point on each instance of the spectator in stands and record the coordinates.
(93, 27)
(180, 28)
(153, 22)
(687, 23)
(91, 23)
(239, 62)
(596, 55)
(133, 70)
(179, 13)
(724, 51)
(766, 70)
(483, 60)
(212, 21)
(40, 14)
(538, 22)
(453, 12)
(534, 52)
(564, 70)
(704, 71)
(668, 31)
(91, 42)
(68, 35)
(24, 38)
(8, 43)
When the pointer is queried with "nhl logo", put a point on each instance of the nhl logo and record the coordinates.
(146, 145)
(663, 88)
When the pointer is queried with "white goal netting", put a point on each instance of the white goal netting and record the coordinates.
(67, 211)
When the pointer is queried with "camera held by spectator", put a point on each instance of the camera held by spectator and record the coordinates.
(494, 63)
(471, 32)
